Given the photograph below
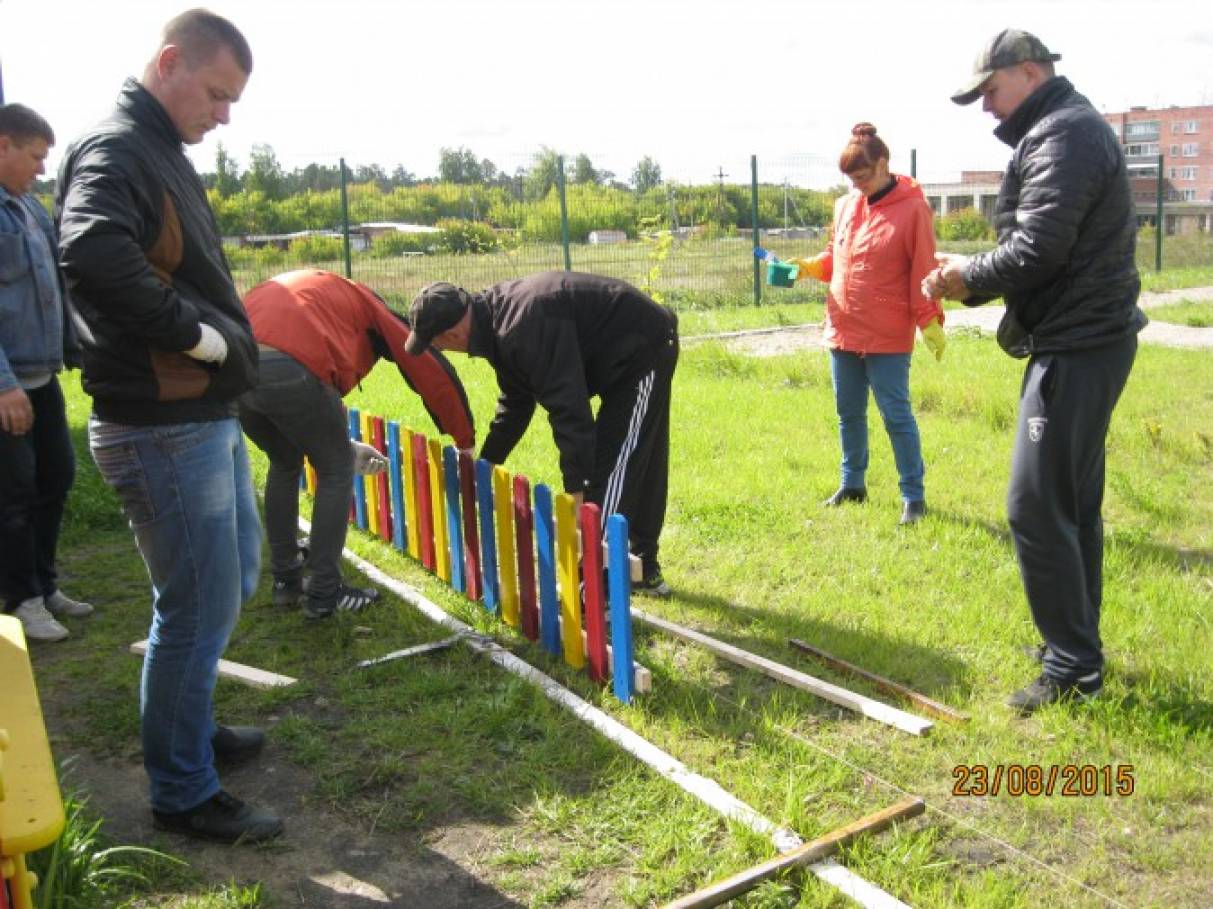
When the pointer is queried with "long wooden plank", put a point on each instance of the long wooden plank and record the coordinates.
(929, 705)
(238, 672)
(875, 710)
(808, 854)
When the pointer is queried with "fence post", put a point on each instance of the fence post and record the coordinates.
(345, 223)
(913, 163)
(1158, 219)
(754, 222)
(564, 213)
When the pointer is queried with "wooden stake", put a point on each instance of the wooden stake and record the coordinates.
(875, 710)
(249, 675)
(808, 854)
(929, 705)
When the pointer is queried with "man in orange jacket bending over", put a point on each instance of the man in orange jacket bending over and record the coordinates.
(319, 334)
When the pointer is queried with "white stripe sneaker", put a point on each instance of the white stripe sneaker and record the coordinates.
(39, 624)
(62, 605)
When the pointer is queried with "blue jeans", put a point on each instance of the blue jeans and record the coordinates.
(188, 495)
(888, 375)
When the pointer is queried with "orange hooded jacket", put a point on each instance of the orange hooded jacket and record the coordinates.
(875, 263)
(339, 328)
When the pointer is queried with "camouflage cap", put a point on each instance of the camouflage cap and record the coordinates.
(1009, 47)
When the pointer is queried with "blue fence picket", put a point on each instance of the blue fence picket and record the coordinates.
(488, 534)
(454, 517)
(399, 518)
(545, 550)
(620, 592)
(359, 490)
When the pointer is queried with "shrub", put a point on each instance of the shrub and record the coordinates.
(467, 236)
(963, 224)
(390, 245)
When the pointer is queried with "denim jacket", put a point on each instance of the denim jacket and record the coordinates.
(36, 336)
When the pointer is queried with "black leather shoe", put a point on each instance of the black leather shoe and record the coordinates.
(847, 494)
(913, 512)
(233, 744)
(222, 818)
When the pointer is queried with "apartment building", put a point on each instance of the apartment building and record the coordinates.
(1183, 136)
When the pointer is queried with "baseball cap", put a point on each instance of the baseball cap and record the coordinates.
(438, 307)
(1009, 47)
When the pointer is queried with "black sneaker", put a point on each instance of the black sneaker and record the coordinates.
(346, 599)
(222, 818)
(234, 744)
(288, 592)
(844, 494)
(1046, 690)
(652, 583)
(913, 512)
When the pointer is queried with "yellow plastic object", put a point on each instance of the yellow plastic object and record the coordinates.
(31, 807)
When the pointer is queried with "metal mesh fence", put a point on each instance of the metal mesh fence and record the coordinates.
(688, 245)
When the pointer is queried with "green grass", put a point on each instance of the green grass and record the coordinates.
(1186, 312)
(415, 748)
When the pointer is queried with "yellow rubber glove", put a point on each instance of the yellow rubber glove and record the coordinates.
(933, 337)
(810, 268)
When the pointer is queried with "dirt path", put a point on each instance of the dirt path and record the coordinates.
(324, 860)
(772, 342)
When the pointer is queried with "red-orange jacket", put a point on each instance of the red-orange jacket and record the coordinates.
(339, 328)
(875, 263)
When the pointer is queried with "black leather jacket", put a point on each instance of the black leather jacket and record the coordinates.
(144, 266)
(1067, 230)
(558, 339)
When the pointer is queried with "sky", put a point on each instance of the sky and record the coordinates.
(698, 85)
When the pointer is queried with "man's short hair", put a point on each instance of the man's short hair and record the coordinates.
(21, 124)
(200, 34)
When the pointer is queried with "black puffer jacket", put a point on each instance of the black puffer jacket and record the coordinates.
(144, 266)
(1067, 230)
(559, 338)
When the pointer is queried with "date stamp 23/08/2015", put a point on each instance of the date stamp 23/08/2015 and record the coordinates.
(1067, 780)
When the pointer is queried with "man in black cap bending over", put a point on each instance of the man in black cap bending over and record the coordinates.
(1064, 266)
(558, 339)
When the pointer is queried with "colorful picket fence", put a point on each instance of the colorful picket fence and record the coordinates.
(515, 550)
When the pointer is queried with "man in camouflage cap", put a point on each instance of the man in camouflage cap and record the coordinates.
(1064, 266)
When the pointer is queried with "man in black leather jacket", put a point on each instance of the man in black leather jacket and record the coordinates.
(1064, 266)
(167, 350)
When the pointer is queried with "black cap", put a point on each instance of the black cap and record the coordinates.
(1009, 47)
(438, 307)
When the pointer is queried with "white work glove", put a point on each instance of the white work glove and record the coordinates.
(211, 348)
(367, 460)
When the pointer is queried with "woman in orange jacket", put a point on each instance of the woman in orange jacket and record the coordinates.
(881, 247)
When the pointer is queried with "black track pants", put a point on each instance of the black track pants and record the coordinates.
(1056, 493)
